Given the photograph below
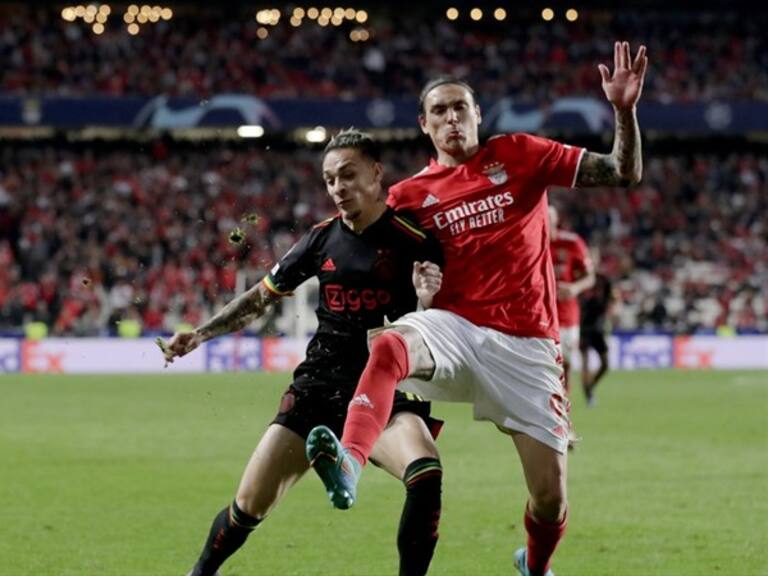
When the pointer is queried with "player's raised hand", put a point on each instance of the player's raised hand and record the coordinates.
(181, 344)
(427, 280)
(624, 87)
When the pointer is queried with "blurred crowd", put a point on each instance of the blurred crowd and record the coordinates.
(91, 236)
(695, 55)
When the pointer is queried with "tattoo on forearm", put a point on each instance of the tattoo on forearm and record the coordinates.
(238, 313)
(597, 170)
(624, 165)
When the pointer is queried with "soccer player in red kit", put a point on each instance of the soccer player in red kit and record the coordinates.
(490, 337)
(574, 273)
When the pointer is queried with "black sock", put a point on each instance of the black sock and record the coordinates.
(228, 532)
(417, 537)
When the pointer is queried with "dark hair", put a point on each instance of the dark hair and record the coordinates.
(439, 81)
(360, 141)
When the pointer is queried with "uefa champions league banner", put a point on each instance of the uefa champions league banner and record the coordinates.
(578, 115)
(251, 354)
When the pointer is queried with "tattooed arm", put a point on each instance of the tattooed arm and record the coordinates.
(233, 317)
(624, 165)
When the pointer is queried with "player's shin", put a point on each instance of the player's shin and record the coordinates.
(543, 538)
(371, 405)
(418, 534)
(228, 533)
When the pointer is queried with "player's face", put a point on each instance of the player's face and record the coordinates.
(451, 118)
(353, 182)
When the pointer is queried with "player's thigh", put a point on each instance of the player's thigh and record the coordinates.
(545, 470)
(405, 439)
(276, 464)
(420, 359)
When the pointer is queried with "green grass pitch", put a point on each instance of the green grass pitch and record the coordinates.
(109, 475)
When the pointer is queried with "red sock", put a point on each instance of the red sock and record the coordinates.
(371, 405)
(542, 541)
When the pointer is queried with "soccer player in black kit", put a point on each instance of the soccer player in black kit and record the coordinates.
(372, 264)
(595, 325)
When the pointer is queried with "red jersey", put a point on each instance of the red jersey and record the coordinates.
(572, 261)
(490, 215)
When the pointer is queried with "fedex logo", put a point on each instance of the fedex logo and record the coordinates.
(692, 353)
(645, 352)
(340, 299)
(36, 358)
(233, 355)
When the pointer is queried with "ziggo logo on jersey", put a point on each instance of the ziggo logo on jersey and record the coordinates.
(340, 299)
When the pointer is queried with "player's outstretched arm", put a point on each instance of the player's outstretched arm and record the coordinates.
(427, 280)
(624, 165)
(235, 316)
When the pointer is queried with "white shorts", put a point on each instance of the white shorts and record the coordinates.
(569, 342)
(513, 382)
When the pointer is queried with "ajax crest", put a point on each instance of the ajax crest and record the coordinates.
(495, 173)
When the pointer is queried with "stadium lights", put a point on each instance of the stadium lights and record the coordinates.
(452, 13)
(359, 35)
(316, 135)
(97, 16)
(500, 14)
(313, 13)
(295, 22)
(476, 14)
(298, 13)
(572, 15)
(361, 16)
(250, 131)
(269, 17)
(547, 14)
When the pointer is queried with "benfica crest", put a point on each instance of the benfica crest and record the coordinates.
(495, 173)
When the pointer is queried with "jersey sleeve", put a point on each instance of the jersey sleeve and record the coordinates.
(296, 266)
(393, 197)
(552, 163)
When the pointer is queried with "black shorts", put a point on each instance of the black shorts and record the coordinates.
(593, 339)
(305, 406)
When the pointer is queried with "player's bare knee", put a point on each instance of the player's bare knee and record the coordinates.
(548, 503)
(255, 504)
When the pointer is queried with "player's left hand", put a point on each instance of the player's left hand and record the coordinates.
(427, 280)
(180, 344)
(624, 87)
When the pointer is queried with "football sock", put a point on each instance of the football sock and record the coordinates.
(417, 537)
(371, 405)
(542, 541)
(228, 532)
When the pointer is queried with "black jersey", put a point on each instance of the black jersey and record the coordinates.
(363, 278)
(594, 307)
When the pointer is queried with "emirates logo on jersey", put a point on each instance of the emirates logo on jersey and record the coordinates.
(474, 214)
(496, 173)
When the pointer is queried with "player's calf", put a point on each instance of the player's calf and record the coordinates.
(228, 533)
(418, 534)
